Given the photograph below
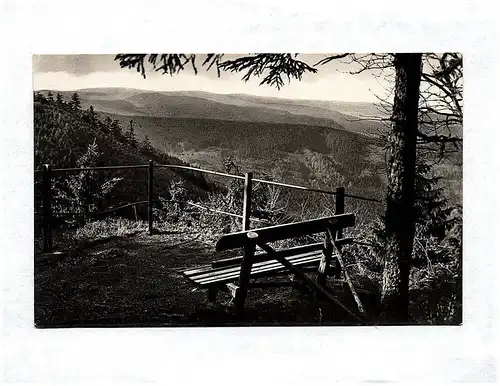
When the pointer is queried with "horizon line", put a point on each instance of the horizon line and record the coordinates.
(206, 92)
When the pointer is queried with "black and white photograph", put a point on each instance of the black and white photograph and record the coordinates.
(259, 189)
(252, 193)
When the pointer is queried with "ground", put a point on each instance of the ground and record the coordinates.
(134, 280)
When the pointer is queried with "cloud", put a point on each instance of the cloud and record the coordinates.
(334, 86)
(74, 64)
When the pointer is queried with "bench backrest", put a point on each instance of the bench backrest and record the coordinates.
(286, 231)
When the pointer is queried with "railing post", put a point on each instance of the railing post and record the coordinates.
(339, 205)
(135, 213)
(339, 209)
(47, 208)
(247, 201)
(150, 197)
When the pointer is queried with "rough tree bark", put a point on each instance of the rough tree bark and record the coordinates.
(399, 216)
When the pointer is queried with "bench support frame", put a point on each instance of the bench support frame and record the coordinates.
(245, 271)
(326, 260)
(311, 283)
(294, 260)
(212, 293)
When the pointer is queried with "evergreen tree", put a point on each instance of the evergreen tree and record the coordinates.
(38, 97)
(146, 144)
(59, 99)
(75, 101)
(230, 166)
(400, 196)
(116, 129)
(50, 97)
(88, 188)
(131, 134)
(431, 208)
(91, 115)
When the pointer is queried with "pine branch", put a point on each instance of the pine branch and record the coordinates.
(328, 59)
(167, 63)
(438, 138)
(272, 66)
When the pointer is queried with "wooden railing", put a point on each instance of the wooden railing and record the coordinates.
(47, 214)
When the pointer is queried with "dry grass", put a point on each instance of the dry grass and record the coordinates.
(116, 227)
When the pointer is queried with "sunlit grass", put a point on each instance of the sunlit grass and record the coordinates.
(110, 227)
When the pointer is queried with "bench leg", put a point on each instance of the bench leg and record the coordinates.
(212, 294)
(338, 269)
(322, 274)
(238, 296)
(298, 285)
(325, 262)
(239, 300)
(246, 267)
(295, 282)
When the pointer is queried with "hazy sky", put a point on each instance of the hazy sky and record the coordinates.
(72, 72)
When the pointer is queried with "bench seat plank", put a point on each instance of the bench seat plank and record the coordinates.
(228, 270)
(254, 272)
(198, 269)
(264, 271)
(264, 256)
(208, 275)
(224, 270)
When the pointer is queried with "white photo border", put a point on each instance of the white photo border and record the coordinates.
(282, 355)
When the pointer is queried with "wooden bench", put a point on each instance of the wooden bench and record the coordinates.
(235, 274)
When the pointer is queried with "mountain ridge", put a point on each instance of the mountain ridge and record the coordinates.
(232, 107)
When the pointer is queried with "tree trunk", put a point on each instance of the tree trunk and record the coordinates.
(400, 216)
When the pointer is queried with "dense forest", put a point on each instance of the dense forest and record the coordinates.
(263, 146)
(67, 137)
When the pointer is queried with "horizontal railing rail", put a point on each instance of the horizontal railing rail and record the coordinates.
(202, 171)
(47, 214)
(89, 169)
(206, 171)
(95, 214)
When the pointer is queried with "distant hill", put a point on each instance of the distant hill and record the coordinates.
(312, 142)
(233, 107)
(294, 141)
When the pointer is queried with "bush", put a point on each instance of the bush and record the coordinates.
(436, 287)
(268, 206)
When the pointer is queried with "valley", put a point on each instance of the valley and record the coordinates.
(277, 137)
(322, 144)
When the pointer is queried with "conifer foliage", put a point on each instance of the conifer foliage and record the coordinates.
(75, 101)
(85, 192)
(66, 136)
